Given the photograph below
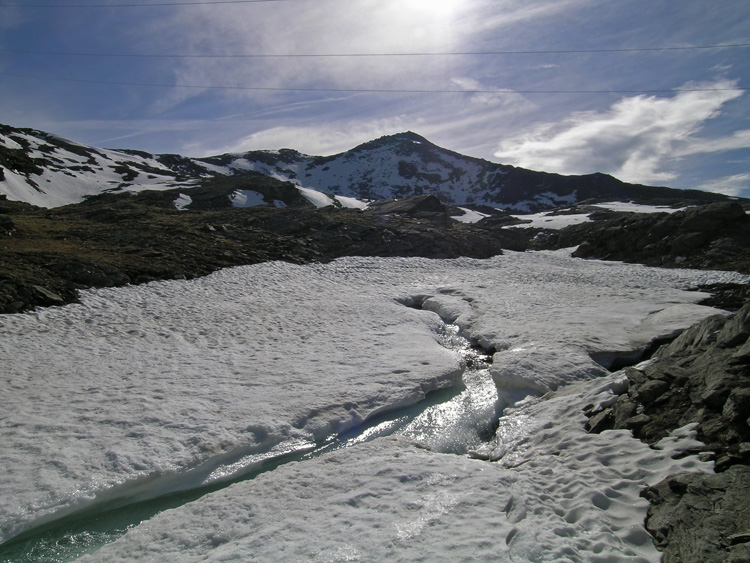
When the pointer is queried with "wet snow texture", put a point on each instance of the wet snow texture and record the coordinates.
(129, 391)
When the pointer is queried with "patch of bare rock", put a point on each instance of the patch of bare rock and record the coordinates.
(703, 377)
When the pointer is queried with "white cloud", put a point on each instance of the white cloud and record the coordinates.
(315, 139)
(739, 140)
(507, 13)
(737, 185)
(464, 122)
(636, 139)
(487, 96)
(367, 26)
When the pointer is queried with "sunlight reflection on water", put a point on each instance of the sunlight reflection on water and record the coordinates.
(458, 424)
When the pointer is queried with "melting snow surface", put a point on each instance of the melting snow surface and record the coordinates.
(143, 390)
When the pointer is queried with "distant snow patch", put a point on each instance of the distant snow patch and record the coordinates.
(247, 198)
(241, 164)
(224, 170)
(9, 143)
(351, 202)
(632, 207)
(318, 199)
(469, 216)
(182, 202)
(17, 188)
(546, 220)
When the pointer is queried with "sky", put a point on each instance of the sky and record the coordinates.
(622, 87)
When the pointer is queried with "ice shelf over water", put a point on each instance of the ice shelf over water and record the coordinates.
(143, 390)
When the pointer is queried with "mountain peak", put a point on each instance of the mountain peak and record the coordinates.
(402, 138)
(408, 136)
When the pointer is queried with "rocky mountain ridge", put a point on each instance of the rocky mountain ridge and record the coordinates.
(48, 171)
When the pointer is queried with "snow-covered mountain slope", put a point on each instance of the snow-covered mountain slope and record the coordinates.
(405, 164)
(50, 171)
(45, 170)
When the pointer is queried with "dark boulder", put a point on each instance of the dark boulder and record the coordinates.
(703, 377)
(6, 224)
(702, 518)
(708, 218)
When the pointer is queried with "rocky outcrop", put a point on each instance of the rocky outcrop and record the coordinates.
(421, 206)
(713, 236)
(7, 226)
(702, 518)
(703, 377)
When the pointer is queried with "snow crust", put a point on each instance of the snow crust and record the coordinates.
(143, 390)
(183, 202)
(559, 494)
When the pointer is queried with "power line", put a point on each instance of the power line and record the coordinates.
(133, 5)
(369, 90)
(344, 55)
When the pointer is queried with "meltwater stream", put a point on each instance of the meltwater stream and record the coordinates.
(454, 420)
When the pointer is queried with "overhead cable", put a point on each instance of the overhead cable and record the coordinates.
(372, 90)
(344, 55)
(142, 5)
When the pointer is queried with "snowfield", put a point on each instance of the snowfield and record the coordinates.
(145, 390)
